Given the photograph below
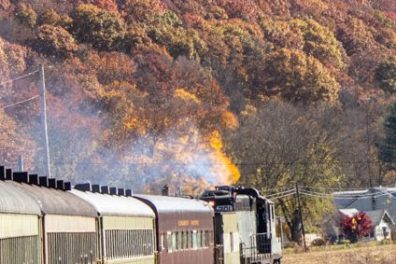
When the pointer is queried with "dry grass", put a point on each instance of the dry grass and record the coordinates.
(384, 254)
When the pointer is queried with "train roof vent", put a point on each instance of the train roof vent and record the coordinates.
(33, 179)
(43, 181)
(84, 187)
(52, 183)
(2, 173)
(96, 188)
(60, 185)
(128, 192)
(9, 174)
(67, 186)
(113, 190)
(21, 177)
(104, 190)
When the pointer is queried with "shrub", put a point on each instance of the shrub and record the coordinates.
(55, 41)
(296, 77)
(26, 15)
(104, 29)
(320, 42)
(357, 226)
(385, 75)
(49, 17)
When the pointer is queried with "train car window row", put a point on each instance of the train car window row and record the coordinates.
(26, 250)
(184, 240)
(71, 247)
(128, 243)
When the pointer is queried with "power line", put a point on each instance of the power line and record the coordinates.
(282, 196)
(282, 193)
(18, 78)
(21, 102)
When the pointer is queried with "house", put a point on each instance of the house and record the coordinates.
(331, 225)
(383, 224)
(378, 198)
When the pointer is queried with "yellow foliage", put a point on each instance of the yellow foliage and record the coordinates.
(229, 120)
(186, 96)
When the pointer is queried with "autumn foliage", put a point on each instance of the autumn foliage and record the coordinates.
(151, 89)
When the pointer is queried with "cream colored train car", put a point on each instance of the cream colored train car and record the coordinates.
(68, 223)
(19, 226)
(126, 225)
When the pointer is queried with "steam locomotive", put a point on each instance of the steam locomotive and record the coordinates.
(46, 221)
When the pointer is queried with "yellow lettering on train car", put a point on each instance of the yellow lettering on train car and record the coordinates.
(183, 223)
(194, 222)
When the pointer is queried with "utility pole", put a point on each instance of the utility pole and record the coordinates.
(301, 216)
(44, 120)
(368, 144)
(20, 163)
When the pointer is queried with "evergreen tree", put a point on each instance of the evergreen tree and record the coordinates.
(387, 153)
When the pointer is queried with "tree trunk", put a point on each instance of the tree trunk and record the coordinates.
(295, 228)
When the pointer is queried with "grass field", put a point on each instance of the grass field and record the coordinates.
(368, 254)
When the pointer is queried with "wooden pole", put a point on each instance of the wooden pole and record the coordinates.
(301, 216)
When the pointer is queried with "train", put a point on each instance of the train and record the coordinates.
(49, 221)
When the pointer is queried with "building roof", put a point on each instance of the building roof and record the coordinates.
(112, 205)
(13, 200)
(168, 204)
(367, 200)
(378, 215)
(348, 212)
(56, 202)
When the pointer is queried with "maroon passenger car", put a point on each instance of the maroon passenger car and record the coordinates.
(184, 229)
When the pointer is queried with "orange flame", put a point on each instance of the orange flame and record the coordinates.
(227, 170)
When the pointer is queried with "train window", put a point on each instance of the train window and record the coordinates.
(161, 243)
(174, 247)
(185, 240)
(199, 239)
(190, 235)
(169, 241)
(194, 239)
(178, 240)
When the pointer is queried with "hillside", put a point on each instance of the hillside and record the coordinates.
(148, 91)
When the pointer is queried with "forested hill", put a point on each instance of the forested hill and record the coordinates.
(148, 91)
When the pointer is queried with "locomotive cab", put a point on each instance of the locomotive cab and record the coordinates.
(259, 242)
